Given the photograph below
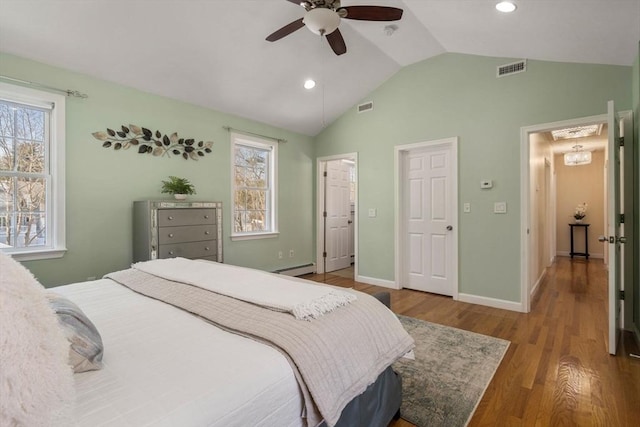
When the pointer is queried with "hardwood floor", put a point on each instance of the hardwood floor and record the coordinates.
(557, 371)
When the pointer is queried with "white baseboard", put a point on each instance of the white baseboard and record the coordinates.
(491, 302)
(568, 254)
(536, 286)
(378, 282)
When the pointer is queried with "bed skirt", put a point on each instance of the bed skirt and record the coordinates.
(377, 406)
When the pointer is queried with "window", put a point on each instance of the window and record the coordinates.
(31, 173)
(254, 187)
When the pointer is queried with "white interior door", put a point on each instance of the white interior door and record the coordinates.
(615, 237)
(338, 214)
(429, 219)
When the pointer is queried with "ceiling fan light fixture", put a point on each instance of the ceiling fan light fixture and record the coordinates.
(321, 21)
(506, 6)
(309, 84)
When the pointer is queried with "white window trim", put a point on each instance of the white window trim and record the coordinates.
(56, 153)
(241, 139)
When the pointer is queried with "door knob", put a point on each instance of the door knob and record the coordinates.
(621, 239)
(603, 239)
(349, 222)
(449, 227)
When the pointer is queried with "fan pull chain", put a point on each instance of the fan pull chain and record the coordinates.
(322, 65)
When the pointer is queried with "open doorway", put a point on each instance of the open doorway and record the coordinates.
(566, 174)
(337, 215)
(608, 188)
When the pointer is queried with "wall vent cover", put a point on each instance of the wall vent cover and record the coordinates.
(513, 68)
(367, 106)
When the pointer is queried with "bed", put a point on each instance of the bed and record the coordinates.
(165, 366)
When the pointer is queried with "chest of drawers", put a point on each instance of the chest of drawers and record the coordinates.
(166, 229)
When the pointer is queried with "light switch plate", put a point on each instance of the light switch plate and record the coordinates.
(373, 212)
(500, 207)
(486, 183)
(466, 208)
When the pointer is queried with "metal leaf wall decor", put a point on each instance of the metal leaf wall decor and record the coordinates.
(156, 144)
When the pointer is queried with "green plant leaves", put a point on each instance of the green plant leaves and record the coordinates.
(155, 143)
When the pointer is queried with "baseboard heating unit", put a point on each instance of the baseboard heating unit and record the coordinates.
(298, 270)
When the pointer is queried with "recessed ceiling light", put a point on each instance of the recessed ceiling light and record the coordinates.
(506, 6)
(309, 84)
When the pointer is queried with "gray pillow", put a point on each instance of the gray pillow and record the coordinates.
(85, 349)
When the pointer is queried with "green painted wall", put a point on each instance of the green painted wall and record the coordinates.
(101, 184)
(459, 95)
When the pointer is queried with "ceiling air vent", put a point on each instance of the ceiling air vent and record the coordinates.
(513, 68)
(367, 106)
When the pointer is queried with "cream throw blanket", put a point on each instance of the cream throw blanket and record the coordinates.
(334, 357)
(300, 298)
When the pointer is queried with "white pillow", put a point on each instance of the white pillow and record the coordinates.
(85, 343)
(36, 382)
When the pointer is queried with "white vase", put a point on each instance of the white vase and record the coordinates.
(578, 221)
(180, 196)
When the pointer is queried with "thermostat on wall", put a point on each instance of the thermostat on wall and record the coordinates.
(486, 183)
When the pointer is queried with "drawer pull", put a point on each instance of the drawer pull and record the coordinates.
(206, 217)
(169, 217)
(170, 235)
(170, 252)
(206, 233)
(206, 248)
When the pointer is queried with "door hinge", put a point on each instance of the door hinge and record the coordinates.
(324, 214)
(324, 173)
(324, 254)
(621, 141)
(621, 294)
(621, 218)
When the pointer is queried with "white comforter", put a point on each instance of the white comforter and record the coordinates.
(165, 367)
(303, 299)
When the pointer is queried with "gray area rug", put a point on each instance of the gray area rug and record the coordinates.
(450, 373)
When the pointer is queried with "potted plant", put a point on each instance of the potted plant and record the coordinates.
(179, 187)
(580, 212)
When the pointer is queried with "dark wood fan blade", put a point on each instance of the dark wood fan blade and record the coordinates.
(294, 2)
(286, 30)
(373, 13)
(337, 42)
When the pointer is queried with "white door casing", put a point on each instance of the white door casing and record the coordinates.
(528, 240)
(321, 162)
(338, 214)
(612, 170)
(427, 250)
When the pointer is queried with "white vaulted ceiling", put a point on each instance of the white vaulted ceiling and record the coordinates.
(213, 53)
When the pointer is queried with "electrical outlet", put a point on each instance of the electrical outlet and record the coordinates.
(291, 253)
(466, 208)
(279, 254)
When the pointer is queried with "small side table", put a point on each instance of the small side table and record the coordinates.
(586, 241)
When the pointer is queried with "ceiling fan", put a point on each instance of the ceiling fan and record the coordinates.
(323, 18)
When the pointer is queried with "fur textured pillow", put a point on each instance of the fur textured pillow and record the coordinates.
(36, 382)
